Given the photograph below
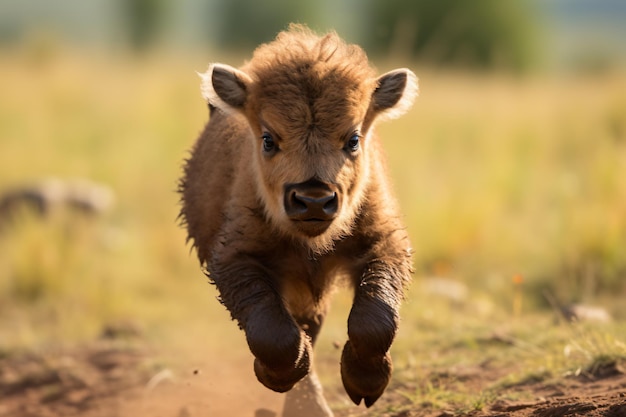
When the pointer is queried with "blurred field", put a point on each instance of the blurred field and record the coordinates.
(502, 176)
(499, 177)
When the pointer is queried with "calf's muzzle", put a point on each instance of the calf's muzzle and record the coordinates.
(311, 201)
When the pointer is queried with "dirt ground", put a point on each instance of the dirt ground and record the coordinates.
(110, 379)
(600, 394)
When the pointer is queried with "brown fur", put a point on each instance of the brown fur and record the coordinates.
(311, 95)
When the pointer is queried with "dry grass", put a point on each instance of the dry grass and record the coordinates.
(501, 176)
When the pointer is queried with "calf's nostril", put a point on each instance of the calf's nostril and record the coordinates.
(298, 204)
(330, 206)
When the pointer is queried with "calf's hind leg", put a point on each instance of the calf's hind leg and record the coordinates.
(306, 398)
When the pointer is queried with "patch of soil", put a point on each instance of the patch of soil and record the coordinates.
(70, 383)
(105, 379)
(573, 396)
(599, 391)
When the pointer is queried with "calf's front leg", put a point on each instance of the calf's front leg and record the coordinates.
(281, 348)
(365, 361)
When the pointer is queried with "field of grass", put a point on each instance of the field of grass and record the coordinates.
(512, 187)
(500, 177)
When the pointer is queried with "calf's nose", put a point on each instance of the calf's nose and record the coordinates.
(310, 201)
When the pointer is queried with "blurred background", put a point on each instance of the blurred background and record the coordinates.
(517, 35)
(511, 167)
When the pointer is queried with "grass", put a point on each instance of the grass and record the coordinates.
(123, 125)
(498, 177)
(458, 363)
(504, 177)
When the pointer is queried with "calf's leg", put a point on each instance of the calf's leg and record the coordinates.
(281, 348)
(365, 361)
(306, 398)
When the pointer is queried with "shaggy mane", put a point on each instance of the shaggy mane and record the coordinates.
(300, 48)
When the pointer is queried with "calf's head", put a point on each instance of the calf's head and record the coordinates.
(310, 104)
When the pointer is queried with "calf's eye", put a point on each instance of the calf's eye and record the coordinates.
(268, 143)
(352, 144)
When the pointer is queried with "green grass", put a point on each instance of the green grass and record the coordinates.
(497, 177)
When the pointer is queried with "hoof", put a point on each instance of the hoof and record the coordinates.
(282, 380)
(364, 380)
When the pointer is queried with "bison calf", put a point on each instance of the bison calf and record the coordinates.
(286, 192)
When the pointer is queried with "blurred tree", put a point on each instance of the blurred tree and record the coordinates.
(246, 23)
(479, 34)
(144, 20)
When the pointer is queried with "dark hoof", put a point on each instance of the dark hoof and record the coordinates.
(364, 379)
(282, 380)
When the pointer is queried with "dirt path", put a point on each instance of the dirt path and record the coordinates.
(106, 380)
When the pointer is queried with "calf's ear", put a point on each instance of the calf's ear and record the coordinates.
(394, 94)
(225, 87)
